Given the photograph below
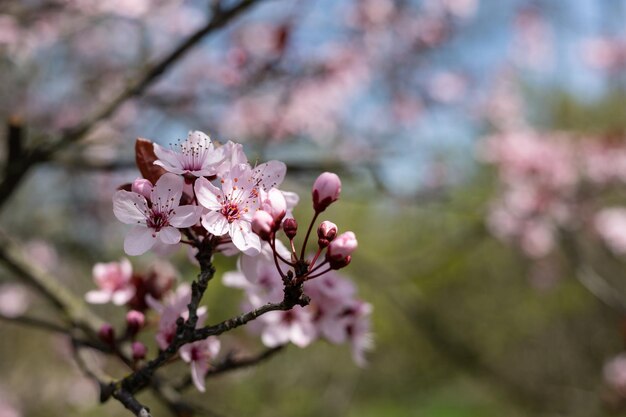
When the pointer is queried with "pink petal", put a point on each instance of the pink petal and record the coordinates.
(274, 335)
(271, 174)
(198, 371)
(169, 235)
(167, 158)
(139, 241)
(186, 216)
(128, 207)
(168, 189)
(243, 237)
(123, 296)
(215, 223)
(207, 194)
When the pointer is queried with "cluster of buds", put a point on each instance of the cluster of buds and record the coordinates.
(270, 218)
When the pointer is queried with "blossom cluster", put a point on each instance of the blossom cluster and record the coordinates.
(543, 177)
(210, 198)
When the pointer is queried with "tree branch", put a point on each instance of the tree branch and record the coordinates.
(17, 169)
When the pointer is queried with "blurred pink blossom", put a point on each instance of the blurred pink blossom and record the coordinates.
(610, 223)
(114, 282)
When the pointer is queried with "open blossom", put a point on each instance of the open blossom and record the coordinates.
(198, 355)
(173, 307)
(114, 280)
(197, 156)
(155, 219)
(231, 207)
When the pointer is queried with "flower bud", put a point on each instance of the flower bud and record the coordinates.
(290, 227)
(263, 224)
(326, 190)
(340, 249)
(326, 232)
(139, 350)
(142, 186)
(135, 320)
(107, 334)
(275, 204)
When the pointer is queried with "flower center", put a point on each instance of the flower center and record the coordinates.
(157, 220)
(231, 212)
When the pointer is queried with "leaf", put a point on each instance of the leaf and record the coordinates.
(145, 157)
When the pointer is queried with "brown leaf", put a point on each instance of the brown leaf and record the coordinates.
(145, 157)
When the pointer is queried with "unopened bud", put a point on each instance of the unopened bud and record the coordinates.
(139, 350)
(263, 224)
(142, 186)
(135, 320)
(326, 190)
(290, 227)
(107, 334)
(326, 232)
(340, 249)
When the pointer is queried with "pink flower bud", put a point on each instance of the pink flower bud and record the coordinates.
(139, 350)
(107, 334)
(326, 190)
(340, 249)
(263, 224)
(274, 203)
(135, 320)
(290, 227)
(142, 186)
(326, 232)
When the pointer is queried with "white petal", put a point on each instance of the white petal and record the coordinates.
(129, 207)
(122, 297)
(215, 223)
(139, 240)
(207, 194)
(169, 235)
(185, 216)
(198, 370)
(98, 297)
(235, 279)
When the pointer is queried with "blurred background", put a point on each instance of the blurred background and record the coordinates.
(482, 153)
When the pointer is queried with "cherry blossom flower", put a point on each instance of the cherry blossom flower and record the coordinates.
(197, 156)
(197, 355)
(155, 220)
(14, 300)
(114, 280)
(231, 208)
(173, 307)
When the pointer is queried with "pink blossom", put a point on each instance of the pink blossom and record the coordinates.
(231, 207)
(615, 373)
(295, 326)
(14, 299)
(155, 220)
(326, 190)
(610, 223)
(139, 350)
(170, 309)
(142, 187)
(197, 355)
(258, 277)
(274, 203)
(114, 280)
(326, 232)
(197, 156)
